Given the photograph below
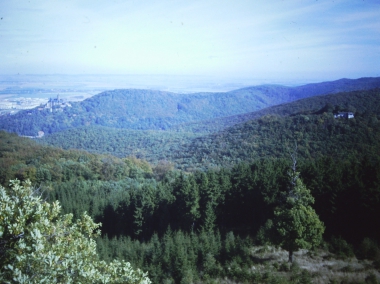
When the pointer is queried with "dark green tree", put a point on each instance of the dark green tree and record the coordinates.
(187, 196)
(296, 222)
(210, 218)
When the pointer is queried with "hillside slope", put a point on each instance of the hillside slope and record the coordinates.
(309, 122)
(156, 110)
(265, 133)
(362, 101)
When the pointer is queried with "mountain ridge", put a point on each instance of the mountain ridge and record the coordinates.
(159, 110)
(257, 134)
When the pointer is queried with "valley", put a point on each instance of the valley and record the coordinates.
(187, 186)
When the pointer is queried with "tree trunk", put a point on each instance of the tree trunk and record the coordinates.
(290, 256)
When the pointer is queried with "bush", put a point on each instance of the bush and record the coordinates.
(347, 268)
(284, 267)
(305, 277)
(371, 279)
(369, 249)
(341, 248)
(265, 233)
(376, 264)
(299, 275)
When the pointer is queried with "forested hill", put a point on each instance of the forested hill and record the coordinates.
(23, 158)
(215, 224)
(309, 121)
(361, 101)
(156, 110)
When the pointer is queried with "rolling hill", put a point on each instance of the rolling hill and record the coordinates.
(156, 110)
(153, 215)
(262, 134)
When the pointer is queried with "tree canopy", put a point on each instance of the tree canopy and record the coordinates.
(296, 222)
(39, 245)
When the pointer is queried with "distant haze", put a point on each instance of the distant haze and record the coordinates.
(228, 41)
(64, 84)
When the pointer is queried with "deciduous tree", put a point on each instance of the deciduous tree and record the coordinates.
(39, 245)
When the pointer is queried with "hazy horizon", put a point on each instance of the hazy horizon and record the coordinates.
(239, 42)
(96, 83)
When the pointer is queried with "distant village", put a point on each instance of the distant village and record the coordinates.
(12, 106)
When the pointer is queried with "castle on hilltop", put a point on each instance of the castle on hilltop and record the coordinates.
(56, 104)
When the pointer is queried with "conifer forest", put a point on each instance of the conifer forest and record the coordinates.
(288, 193)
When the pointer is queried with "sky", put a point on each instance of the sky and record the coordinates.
(290, 39)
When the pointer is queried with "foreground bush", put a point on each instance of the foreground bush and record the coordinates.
(39, 245)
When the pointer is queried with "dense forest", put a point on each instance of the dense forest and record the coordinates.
(199, 206)
(310, 122)
(154, 216)
(157, 110)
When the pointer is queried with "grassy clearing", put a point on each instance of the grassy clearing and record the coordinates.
(318, 266)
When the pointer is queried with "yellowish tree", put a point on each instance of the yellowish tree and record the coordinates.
(40, 245)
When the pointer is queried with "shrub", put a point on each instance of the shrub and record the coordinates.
(341, 248)
(371, 279)
(369, 249)
(284, 267)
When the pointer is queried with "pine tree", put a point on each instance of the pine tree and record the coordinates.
(297, 224)
(187, 195)
(210, 218)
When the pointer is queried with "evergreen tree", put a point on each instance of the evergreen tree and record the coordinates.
(210, 218)
(187, 199)
(297, 224)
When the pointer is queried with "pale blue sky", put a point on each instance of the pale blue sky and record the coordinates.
(288, 40)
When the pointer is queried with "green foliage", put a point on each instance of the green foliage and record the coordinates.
(122, 194)
(252, 136)
(153, 145)
(371, 279)
(210, 218)
(296, 222)
(266, 234)
(284, 267)
(317, 135)
(184, 257)
(186, 227)
(136, 209)
(369, 249)
(341, 248)
(187, 197)
(22, 158)
(299, 275)
(38, 244)
(149, 109)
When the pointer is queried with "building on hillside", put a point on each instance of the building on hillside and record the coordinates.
(57, 104)
(344, 115)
